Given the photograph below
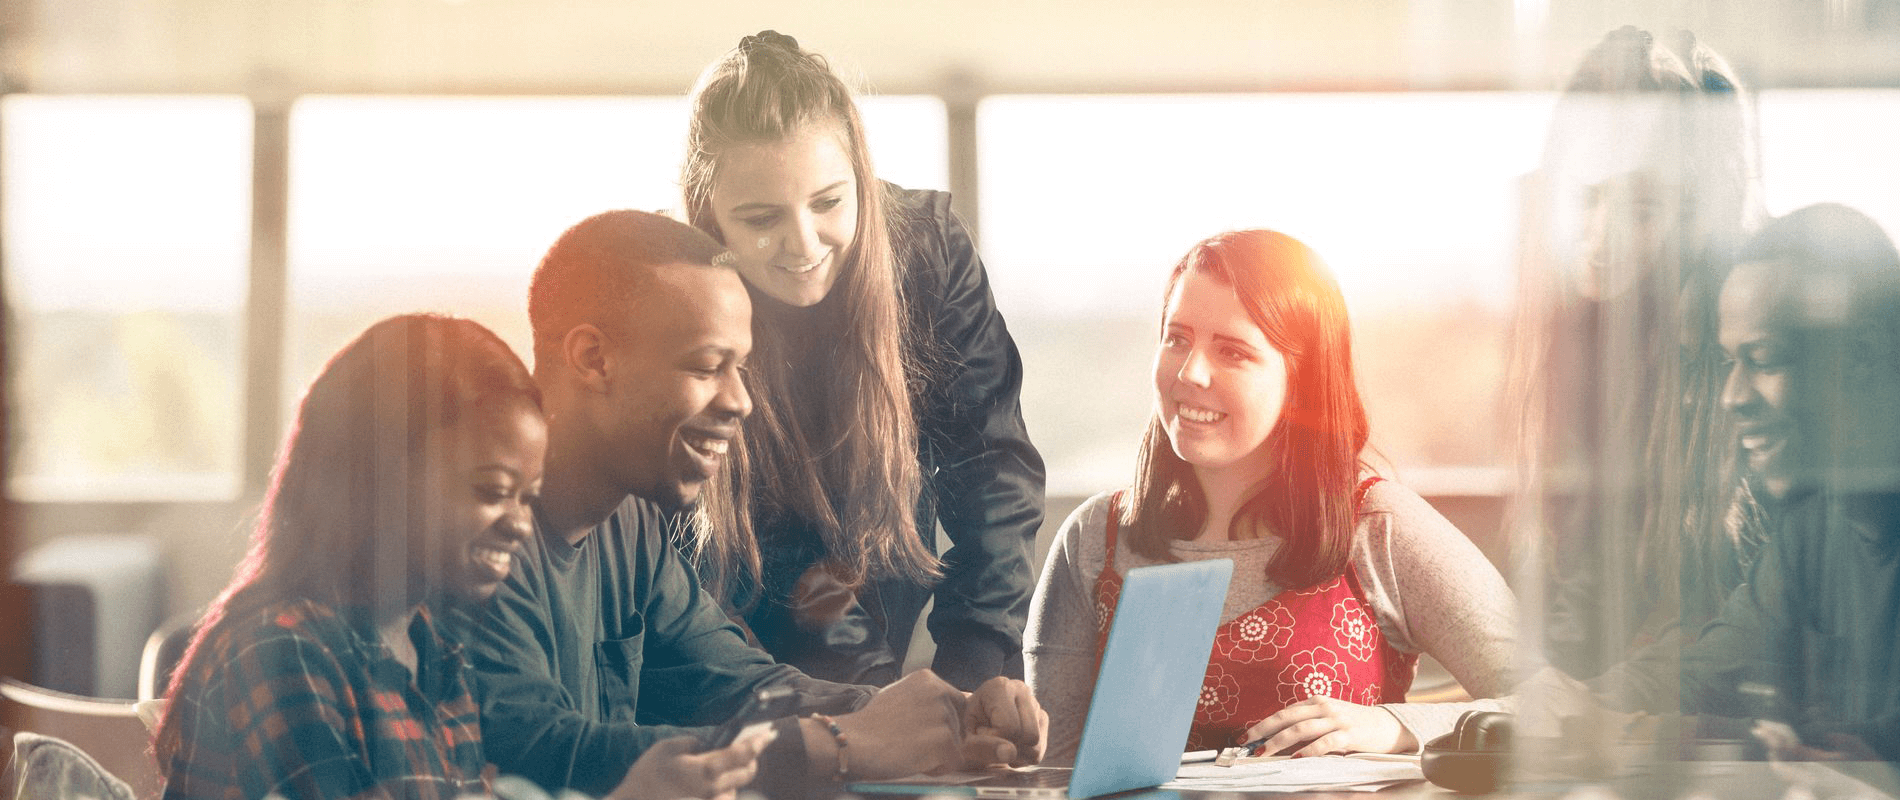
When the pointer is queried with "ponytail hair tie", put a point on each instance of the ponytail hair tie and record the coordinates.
(765, 39)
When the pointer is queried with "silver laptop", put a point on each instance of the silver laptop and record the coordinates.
(1144, 698)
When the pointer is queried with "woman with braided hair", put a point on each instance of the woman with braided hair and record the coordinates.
(333, 666)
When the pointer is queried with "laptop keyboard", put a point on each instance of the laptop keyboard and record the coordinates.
(1048, 778)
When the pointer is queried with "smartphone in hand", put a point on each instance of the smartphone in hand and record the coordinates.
(765, 705)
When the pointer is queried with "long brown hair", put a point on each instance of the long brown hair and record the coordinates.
(1621, 464)
(1307, 500)
(846, 463)
(335, 522)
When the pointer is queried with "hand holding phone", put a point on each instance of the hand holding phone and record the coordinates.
(677, 767)
(765, 705)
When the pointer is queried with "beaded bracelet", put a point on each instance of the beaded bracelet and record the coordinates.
(844, 753)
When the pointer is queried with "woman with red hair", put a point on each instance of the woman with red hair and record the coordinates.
(1254, 453)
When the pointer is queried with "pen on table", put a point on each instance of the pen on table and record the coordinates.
(1197, 756)
(1251, 749)
(1228, 755)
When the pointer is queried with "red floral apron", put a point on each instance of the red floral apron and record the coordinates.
(1318, 641)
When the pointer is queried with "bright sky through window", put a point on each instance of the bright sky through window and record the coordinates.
(127, 223)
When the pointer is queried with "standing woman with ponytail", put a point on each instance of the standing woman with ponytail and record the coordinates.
(886, 390)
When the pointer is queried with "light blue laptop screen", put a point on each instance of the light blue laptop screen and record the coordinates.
(1151, 676)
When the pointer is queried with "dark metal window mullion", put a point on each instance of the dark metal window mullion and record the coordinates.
(266, 307)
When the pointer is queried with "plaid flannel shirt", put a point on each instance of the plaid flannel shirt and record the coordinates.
(304, 702)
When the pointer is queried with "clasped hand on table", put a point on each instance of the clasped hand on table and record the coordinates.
(921, 724)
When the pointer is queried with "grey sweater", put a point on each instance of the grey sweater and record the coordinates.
(1429, 586)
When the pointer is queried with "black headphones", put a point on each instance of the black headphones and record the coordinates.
(1483, 731)
(1474, 756)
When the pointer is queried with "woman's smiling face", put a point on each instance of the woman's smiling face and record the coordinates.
(477, 489)
(1219, 384)
(788, 210)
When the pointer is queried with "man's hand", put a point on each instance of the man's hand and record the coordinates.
(1783, 744)
(1003, 724)
(911, 726)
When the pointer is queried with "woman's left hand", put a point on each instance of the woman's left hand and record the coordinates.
(1322, 725)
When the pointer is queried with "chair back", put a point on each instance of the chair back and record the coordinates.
(163, 650)
(110, 731)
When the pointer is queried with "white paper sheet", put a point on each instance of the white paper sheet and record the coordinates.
(1357, 773)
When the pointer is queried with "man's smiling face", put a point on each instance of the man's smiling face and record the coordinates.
(677, 382)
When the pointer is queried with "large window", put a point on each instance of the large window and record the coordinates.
(1413, 199)
(447, 204)
(1410, 198)
(1833, 146)
(127, 223)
